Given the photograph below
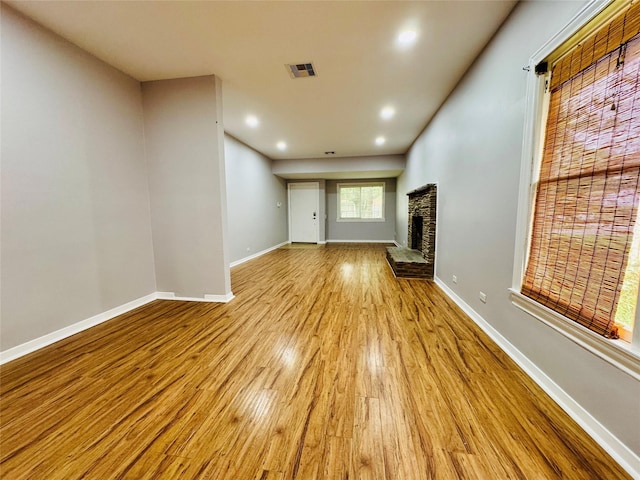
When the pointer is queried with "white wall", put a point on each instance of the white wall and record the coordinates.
(185, 156)
(76, 234)
(472, 149)
(256, 223)
(365, 231)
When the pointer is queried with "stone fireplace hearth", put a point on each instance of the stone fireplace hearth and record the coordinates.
(418, 261)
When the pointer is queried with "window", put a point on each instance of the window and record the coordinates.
(582, 256)
(360, 202)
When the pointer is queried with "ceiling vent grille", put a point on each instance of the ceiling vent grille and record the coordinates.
(301, 70)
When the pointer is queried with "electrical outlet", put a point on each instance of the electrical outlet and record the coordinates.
(454, 279)
(248, 249)
(483, 297)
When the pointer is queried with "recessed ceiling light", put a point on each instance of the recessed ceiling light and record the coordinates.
(380, 140)
(252, 121)
(387, 112)
(407, 37)
(281, 145)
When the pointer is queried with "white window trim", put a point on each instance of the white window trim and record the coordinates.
(618, 353)
(361, 184)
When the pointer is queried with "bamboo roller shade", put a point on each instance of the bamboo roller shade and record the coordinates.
(588, 192)
(605, 40)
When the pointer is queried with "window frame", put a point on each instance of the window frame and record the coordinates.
(340, 185)
(621, 354)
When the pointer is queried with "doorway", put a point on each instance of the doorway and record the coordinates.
(303, 212)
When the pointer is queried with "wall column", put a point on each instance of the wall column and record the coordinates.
(184, 140)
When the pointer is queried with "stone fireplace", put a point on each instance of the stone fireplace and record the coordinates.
(417, 261)
(422, 223)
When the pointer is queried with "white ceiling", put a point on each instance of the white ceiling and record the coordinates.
(352, 44)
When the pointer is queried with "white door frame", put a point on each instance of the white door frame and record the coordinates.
(317, 185)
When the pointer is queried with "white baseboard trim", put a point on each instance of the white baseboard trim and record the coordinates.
(618, 450)
(259, 254)
(361, 241)
(220, 298)
(322, 243)
(45, 340)
(206, 298)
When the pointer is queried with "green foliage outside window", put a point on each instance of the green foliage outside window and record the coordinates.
(361, 201)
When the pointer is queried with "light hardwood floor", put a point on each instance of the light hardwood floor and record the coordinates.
(323, 366)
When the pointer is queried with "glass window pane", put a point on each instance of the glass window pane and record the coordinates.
(361, 201)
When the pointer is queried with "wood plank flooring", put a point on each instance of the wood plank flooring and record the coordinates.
(323, 366)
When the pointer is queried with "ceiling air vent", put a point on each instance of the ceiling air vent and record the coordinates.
(300, 70)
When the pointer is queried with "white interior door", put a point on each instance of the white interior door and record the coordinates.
(303, 212)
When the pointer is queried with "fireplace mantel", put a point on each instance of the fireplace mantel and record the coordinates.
(421, 190)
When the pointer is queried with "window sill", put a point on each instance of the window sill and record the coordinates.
(360, 220)
(616, 352)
